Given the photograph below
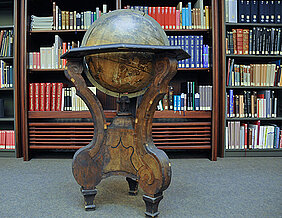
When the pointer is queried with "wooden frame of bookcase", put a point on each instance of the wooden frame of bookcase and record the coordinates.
(16, 100)
(223, 88)
(213, 116)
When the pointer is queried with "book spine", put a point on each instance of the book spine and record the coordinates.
(53, 96)
(59, 97)
(48, 97)
(42, 96)
(231, 101)
(31, 97)
(36, 97)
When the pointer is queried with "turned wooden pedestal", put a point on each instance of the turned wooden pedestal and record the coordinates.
(125, 147)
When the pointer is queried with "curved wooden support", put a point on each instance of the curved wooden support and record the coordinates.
(155, 174)
(88, 161)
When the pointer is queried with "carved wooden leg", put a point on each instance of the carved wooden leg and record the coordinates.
(152, 204)
(133, 186)
(89, 195)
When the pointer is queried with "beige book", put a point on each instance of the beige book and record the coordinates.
(264, 74)
(67, 20)
(267, 80)
(74, 20)
(207, 17)
(252, 74)
(241, 106)
(272, 73)
(63, 20)
(179, 7)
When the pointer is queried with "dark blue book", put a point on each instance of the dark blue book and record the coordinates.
(278, 11)
(241, 11)
(247, 11)
(267, 11)
(262, 11)
(201, 51)
(250, 42)
(178, 100)
(192, 52)
(197, 101)
(272, 11)
(183, 47)
(197, 53)
(188, 97)
(254, 11)
(189, 52)
(186, 46)
(231, 103)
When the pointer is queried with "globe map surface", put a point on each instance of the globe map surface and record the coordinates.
(123, 73)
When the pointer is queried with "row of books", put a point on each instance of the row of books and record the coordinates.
(179, 17)
(55, 97)
(195, 47)
(6, 43)
(253, 136)
(49, 57)
(71, 20)
(254, 74)
(196, 98)
(261, 104)
(72, 102)
(6, 75)
(7, 139)
(256, 41)
(253, 11)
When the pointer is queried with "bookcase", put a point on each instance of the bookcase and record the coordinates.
(70, 130)
(9, 111)
(251, 80)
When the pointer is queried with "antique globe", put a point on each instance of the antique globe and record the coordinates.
(123, 73)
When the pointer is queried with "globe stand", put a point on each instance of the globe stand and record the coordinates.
(125, 147)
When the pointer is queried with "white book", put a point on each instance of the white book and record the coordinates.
(104, 8)
(226, 138)
(270, 137)
(49, 57)
(57, 45)
(73, 97)
(43, 57)
(242, 137)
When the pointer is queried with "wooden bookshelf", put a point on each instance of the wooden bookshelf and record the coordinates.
(9, 13)
(243, 59)
(32, 121)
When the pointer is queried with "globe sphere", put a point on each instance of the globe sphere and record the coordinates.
(123, 73)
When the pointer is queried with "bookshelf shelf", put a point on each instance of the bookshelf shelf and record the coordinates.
(73, 31)
(7, 27)
(56, 31)
(254, 119)
(254, 24)
(194, 69)
(253, 153)
(10, 119)
(6, 58)
(46, 70)
(254, 56)
(111, 114)
(6, 89)
(62, 70)
(253, 87)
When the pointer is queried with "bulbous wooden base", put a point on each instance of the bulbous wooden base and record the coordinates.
(125, 147)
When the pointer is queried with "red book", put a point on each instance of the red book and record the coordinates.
(42, 96)
(36, 97)
(170, 21)
(31, 96)
(13, 140)
(280, 139)
(258, 123)
(246, 135)
(2, 139)
(59, 97)
(166, 18)
(234, 32)
(154, 13)
(240, 41)
(8, 139)
(174, 18)
(158, 14)
(150, 11)
(53, 96)
(162, 17)
(177, 22)
(48, 97)
(64, 51)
